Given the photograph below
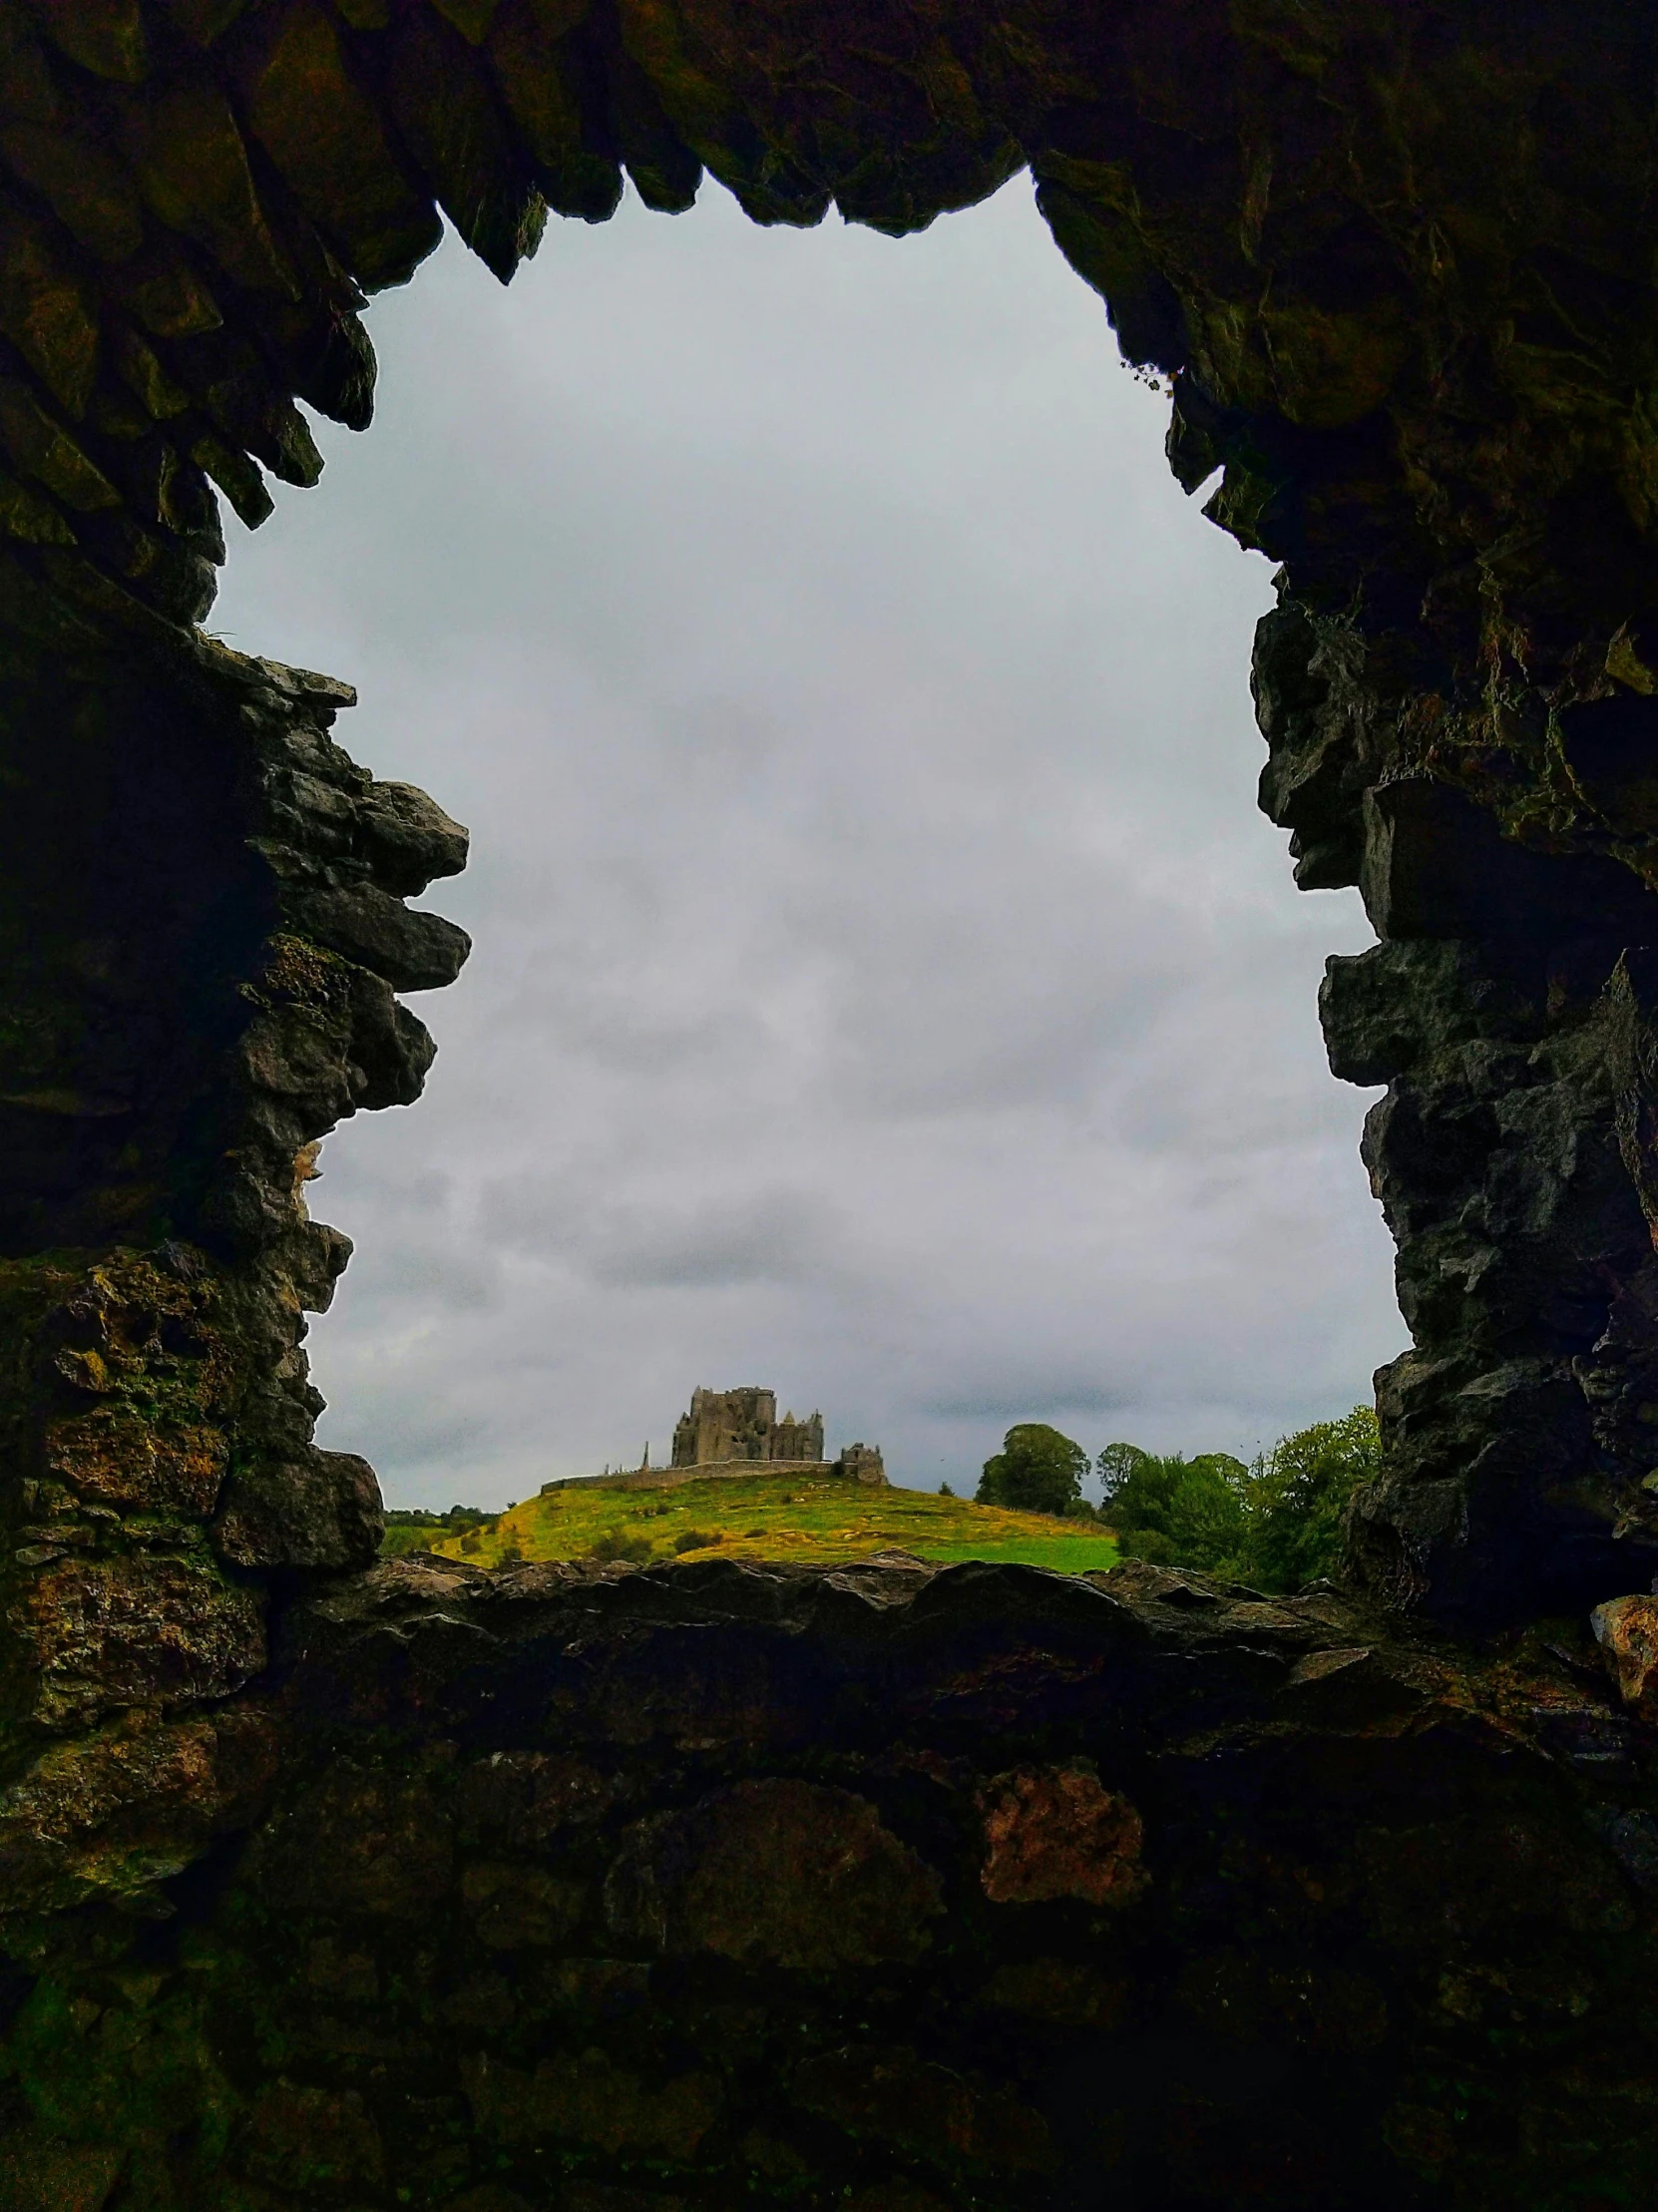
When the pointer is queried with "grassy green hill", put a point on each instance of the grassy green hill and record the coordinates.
(764, 1517)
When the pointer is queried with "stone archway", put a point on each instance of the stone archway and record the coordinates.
(1397, 265)
(1395, 269)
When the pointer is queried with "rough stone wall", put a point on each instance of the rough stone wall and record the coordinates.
(798, 1440)
(202, 932)
(1509, 1009)
(982, 1888)
(726, 1425)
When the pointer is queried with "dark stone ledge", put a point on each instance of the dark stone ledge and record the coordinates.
(611, 1891)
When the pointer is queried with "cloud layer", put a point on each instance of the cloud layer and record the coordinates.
(884, 986)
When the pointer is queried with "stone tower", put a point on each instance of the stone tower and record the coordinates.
(726, 1424)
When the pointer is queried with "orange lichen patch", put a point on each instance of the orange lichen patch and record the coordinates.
(114, 1458)
(1626, 1630)
(1056, 1832)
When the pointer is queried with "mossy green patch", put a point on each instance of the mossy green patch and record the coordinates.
(813, 1521)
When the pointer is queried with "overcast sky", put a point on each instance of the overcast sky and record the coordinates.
(884, 986)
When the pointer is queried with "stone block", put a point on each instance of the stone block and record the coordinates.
(807, 1877)
(313, 2140)
(1626, 1628)
(367, 1841)
(908, 2104)
(412, 950)
(513, 1907)
(1056, 1832)
(319, 1511)
(591, 2101)
(100, 1635)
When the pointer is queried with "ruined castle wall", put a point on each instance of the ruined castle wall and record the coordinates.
(858, 1464)
(672, 1478)
(798, 1440)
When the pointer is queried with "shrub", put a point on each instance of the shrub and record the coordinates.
(695, 1539)
(614, 1545)
(1037, 1471)
(1277, 1524)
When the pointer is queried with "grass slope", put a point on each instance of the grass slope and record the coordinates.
(772, 1517)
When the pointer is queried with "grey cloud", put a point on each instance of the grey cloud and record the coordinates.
(407, 1272)
(748, 1236)
(772, 1239)
(1069, 1396)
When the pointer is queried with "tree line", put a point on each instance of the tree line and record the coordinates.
(1275, 1522)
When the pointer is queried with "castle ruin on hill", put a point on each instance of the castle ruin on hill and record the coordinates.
(737, 1431)
(743, 1424)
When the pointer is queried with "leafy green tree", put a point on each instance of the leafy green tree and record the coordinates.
(1209, 1512)
(1299, 1492)
(1115, 1465)
(1277, 1524)
(1190, 1513)
(1140, 1492)
(1037, 1471)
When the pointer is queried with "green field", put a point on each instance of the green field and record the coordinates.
(764, 1517)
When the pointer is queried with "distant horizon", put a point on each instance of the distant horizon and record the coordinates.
(1090, 1487)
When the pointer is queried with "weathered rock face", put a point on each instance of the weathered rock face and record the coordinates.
(1509, 1007)
(202, 926)
(977, 1887)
